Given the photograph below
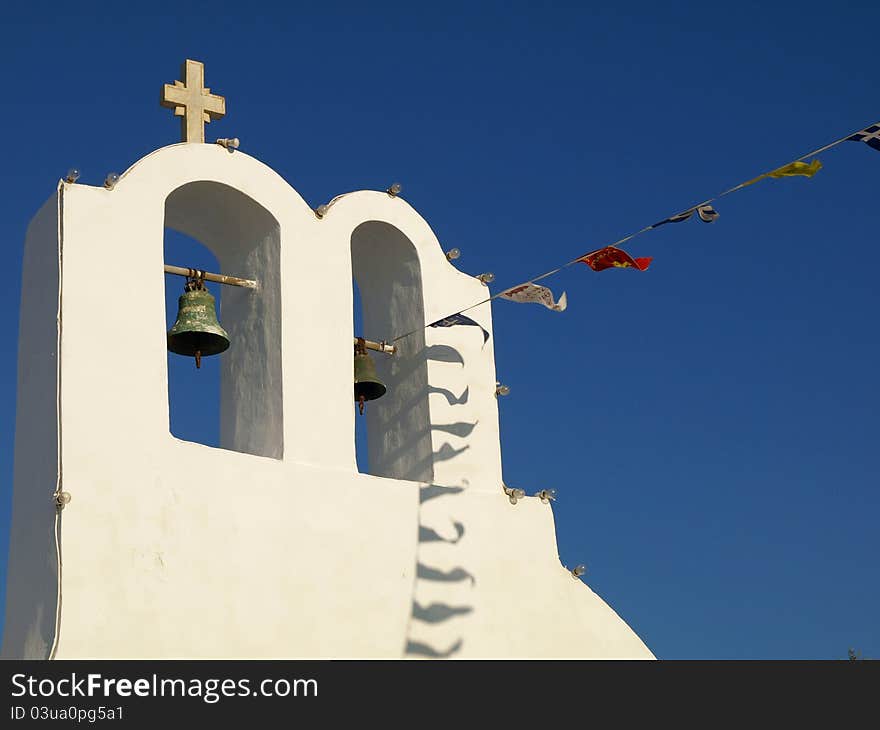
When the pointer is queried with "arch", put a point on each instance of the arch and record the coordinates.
(245, 238)
(388, 273)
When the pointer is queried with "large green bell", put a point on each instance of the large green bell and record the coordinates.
(367, 385)
(197, 331)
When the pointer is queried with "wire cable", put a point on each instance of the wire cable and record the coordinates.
(640, 231)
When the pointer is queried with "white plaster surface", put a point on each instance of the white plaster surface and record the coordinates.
(273, 546)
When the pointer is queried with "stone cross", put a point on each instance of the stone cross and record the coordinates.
(192, 102)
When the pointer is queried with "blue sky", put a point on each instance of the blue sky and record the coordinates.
(710, 424)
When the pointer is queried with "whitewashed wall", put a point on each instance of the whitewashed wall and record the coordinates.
(278, 548)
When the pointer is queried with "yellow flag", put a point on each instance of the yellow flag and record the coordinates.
(797, 168)
(807, 169)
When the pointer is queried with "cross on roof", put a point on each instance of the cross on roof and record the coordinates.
(192, 102)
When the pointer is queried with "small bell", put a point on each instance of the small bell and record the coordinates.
(197, 331)
(367, 385)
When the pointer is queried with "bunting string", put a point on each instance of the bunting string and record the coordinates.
(607, 257)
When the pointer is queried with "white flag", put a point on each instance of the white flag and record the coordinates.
(529, 292)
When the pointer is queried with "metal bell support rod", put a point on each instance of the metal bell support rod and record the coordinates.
(378, 346)
(208, 276)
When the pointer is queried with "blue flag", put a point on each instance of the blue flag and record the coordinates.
(870, 136)
(707, 214)
(459, 319)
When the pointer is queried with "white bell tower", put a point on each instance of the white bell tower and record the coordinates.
(273, 544)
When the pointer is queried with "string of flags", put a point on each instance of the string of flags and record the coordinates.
(612, 256)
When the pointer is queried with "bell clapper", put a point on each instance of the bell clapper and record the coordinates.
(361, 403)
(196, 283)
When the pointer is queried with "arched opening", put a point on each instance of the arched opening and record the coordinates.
(245, 239)
(388, 277)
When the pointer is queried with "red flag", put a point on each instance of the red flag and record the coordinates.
(608, 257)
